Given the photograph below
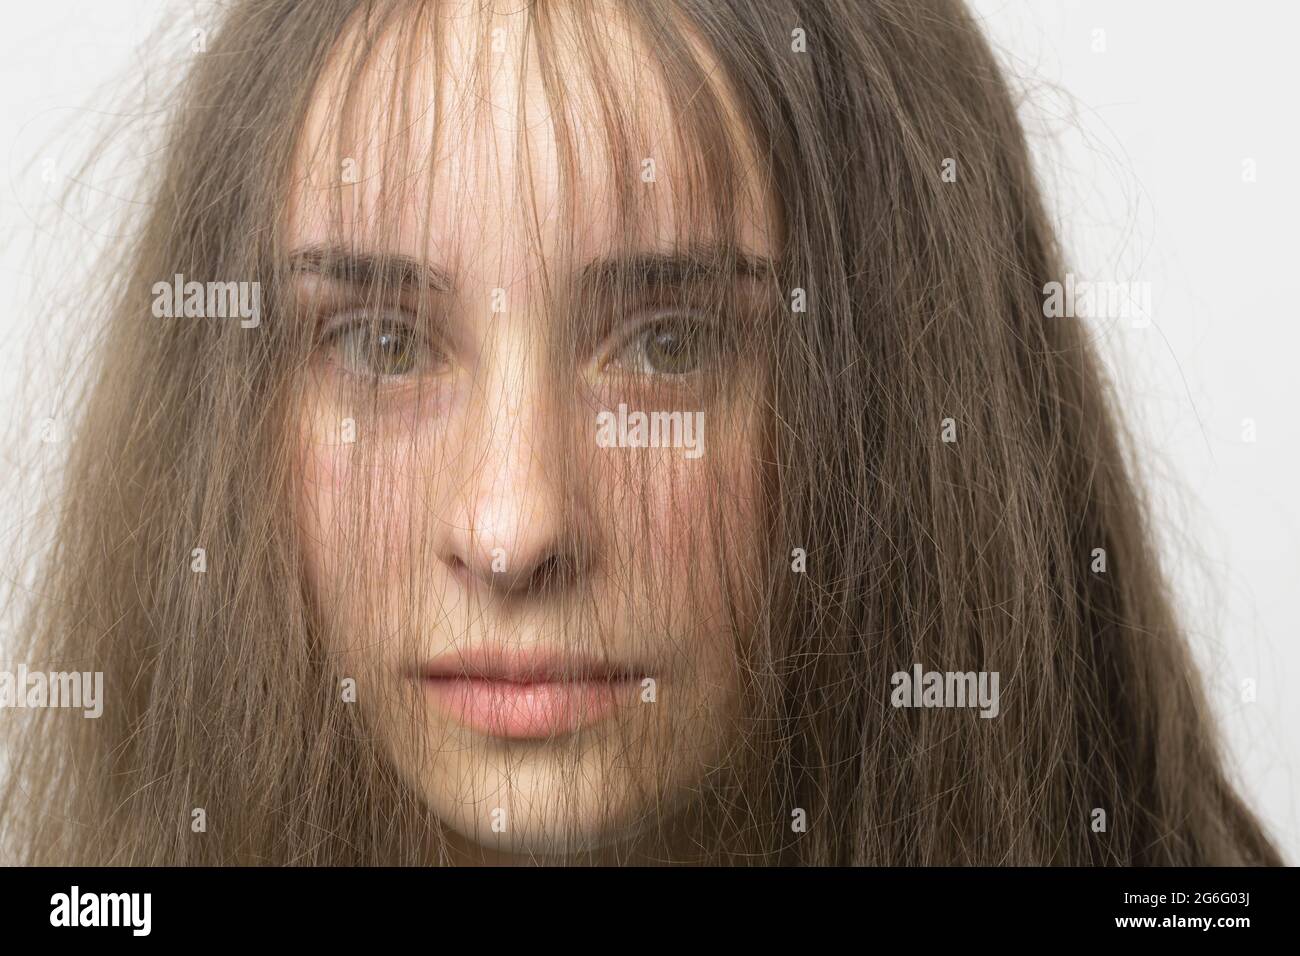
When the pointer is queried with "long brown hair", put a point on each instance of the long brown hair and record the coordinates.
(945, 455)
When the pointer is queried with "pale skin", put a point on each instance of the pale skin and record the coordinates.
(494, 521)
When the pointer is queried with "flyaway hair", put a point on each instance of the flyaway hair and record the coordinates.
(893, 306)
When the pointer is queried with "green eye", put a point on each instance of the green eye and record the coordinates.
(389, 348)
(672, 346)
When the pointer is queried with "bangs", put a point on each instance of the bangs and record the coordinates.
(595, 128)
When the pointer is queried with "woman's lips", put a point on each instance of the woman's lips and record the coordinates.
(526, 695)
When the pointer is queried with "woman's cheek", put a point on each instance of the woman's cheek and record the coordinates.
(322, 462)
(691, 501)
(361, 479)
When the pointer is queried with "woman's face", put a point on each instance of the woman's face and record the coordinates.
(541, 624)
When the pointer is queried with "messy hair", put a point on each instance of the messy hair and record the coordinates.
(943, 459)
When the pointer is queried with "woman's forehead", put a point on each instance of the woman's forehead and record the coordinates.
(445, 139)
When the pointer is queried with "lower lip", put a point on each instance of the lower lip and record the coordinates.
(502, 708)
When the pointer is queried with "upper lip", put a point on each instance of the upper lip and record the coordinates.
(525, 666)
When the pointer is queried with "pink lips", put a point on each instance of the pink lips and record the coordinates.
(526, 694)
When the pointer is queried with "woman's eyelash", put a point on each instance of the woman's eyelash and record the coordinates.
(387, 345)
(669, 344)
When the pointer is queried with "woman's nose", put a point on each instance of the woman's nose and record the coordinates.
(513, 529)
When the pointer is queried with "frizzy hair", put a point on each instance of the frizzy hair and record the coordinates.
(923, 304)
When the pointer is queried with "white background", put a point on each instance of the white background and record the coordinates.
(1142, 133)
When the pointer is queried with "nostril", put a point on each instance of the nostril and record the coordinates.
(552, 573)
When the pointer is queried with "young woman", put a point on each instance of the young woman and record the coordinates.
(612, 433)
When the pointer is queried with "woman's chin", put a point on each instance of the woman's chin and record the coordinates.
(541, 827)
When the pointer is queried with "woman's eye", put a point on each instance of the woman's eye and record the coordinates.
(675, 346)
(383, 349)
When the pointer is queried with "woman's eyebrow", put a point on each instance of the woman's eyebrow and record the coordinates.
(637, 270)
(369, 269)
(654, 269)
